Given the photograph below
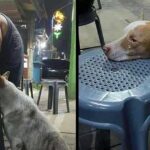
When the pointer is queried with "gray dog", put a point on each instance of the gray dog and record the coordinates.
(25, 126)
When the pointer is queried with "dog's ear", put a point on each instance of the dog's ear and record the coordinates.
(6, 75)
(3, 77)
(2, 81)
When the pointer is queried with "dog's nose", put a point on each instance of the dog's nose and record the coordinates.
(106, 49)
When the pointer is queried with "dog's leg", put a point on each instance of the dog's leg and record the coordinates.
(56, 142)
(11, 122)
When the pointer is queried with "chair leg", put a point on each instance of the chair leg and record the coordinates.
(26, 87)
(99, 4)
(99, 30)
(39, 96)
(78, 43)
(22, 84)
(50, 97)
(31, 89)
(56, 94)
(102, 141)
(2, 147)
(67, 100)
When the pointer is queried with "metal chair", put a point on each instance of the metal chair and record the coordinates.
(115, 96)
(86, 15)
(99, 4)
(54, 75)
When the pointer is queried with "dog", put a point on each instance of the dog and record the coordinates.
(24, 124)
(134, 44)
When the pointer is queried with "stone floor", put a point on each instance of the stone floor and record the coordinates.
(64, 122)
(114, 16)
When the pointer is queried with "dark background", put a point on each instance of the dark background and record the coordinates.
(63, 44)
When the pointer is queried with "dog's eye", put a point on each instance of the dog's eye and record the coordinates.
(132, 38)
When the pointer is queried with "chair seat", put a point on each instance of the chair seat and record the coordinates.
(51, 81)
(55, 68)
(116, 96)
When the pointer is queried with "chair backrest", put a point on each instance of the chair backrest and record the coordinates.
(84, 6)
(55, 68)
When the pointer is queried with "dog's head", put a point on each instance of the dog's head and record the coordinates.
(133, 45)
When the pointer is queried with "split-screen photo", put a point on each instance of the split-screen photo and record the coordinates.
(74, 74)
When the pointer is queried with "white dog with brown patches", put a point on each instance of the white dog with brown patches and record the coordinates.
(25, 126)
(134, 44)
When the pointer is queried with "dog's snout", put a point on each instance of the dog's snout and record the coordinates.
(107, 49)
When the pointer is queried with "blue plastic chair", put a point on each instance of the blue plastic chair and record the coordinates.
(115, 96)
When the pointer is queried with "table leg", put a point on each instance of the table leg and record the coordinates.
(56, 93)
(67, 100)
(38, 100)
(26, 87)
(31, 89)
(50, 96)
(2, 147)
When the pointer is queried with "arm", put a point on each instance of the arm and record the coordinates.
(0, 35)
(3, 29)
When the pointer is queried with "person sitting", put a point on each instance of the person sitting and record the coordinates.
(11, 50)
(11, 56)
